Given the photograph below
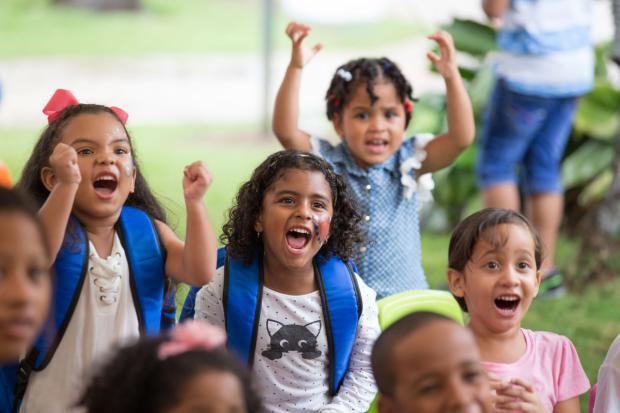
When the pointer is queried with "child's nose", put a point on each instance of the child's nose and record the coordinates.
(304, 211)
(510, 276)
(377, 122)
(459, 395)
(18, 289)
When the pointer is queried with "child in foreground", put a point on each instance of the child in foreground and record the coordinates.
(110, 247)
(293, 308)
(494, 272)
(187, 371)
(370, 105)
(25, 285)
(428, 363)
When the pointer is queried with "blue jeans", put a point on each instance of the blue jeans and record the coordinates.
(524, 135)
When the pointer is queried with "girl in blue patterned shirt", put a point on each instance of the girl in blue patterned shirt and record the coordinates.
(370, 105)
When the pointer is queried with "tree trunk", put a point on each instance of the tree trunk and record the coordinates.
(599, 257)
(102, 4)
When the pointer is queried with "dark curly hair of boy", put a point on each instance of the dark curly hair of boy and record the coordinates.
(136, 380)
(368, 71)
(239, 235)
(31, 183)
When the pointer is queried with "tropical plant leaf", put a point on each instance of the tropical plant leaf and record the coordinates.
(596, 189)
(472, 37)
(586, 163)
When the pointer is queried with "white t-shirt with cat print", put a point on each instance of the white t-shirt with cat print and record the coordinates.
(290, 360)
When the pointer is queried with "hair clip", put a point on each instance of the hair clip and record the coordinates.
(387, 66)
(191, 335)
(408, 106)
(334, 99)
(344, 74)
(62, 99)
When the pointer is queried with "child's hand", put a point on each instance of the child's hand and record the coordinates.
(196, 181)
(301, 55)
(517, 395)
(445, 63)
(63, 162)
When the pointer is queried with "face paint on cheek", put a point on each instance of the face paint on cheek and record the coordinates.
(321, 226)
(128, 167)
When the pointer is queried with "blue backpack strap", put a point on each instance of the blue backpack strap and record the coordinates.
(243, 291)
(69, 268)
(8, 376)
(187, 312)
(169, 308)
(140, 239)
(342, 307)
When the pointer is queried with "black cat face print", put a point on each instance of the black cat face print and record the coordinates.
(292, 337)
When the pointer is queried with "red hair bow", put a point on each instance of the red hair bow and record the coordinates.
(62, 99)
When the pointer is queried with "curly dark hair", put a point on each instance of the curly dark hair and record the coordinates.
(135, 380)
(238, 233)
(30, 181)
(480, 225)
(368, 71)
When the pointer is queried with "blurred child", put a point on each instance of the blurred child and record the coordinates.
(608, 392)
(544, 63)
(370, 105)
(109, 243)
(494, 272)
(428, 363)
(184, 372)
(25, 284)
(293, 308)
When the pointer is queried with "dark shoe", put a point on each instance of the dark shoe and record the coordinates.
(552, 285)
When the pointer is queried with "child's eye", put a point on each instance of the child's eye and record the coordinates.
(361, 115)
(319, 205)
(523, 265)
(121, 151)
(84, 151)
(471, 375)
(390, 114)
(286, 201)
(36, 273)
(428, 388)
(492, 265)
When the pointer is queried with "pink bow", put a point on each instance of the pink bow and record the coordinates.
(192, 335)
(62, 99)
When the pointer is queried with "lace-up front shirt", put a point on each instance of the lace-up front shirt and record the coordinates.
(105, 316)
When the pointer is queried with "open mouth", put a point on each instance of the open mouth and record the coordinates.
(105, 184)
(18, 328)
(298, 238)
(377, 145)
(507, 303)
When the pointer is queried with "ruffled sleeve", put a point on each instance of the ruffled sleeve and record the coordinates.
(424, 184)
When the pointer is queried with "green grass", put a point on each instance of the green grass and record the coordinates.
(588, 317)
(36, 28)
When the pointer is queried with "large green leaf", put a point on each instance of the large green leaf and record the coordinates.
(472, 37)
(596, 189)
(586, 163)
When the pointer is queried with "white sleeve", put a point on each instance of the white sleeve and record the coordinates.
(608, 392)
(209, 304)
(358, 388)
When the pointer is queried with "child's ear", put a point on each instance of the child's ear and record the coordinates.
(337, 122)
(456, 282)
(258, 225)
(539, 275)
(385, 404)
(48, 178)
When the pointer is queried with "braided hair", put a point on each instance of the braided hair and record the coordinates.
(369, 71)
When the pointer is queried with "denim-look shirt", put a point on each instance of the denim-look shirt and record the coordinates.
(391, 260)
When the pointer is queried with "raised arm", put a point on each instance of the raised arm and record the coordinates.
(444, 149)
(194, 260)
(495, 8)
(62, 179)
(286, 110)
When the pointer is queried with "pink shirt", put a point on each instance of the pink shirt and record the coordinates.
(550, 363)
